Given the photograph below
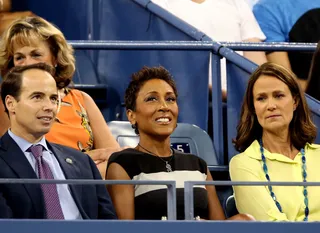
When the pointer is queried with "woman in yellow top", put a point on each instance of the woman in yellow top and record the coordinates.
(275, 136)
(79, 122)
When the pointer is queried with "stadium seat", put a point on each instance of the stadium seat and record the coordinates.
(230, 207)
(186, 138)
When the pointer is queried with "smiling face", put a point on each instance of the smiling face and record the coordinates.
(33, 112)
(156, 110)
(273, 103)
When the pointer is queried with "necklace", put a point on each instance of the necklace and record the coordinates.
(304, 176)
(168, 166)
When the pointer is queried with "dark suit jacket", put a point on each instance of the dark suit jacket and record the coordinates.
(26, 200)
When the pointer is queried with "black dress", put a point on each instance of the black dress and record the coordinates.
(151, 200)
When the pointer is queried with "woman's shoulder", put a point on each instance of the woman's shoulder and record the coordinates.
(73, 95)
(128, 154)
(248, 158)
(129, 159)
(240, 158)
(73, 92)
(312, 149)
(252, 151)
(312, 146)
(243, 164)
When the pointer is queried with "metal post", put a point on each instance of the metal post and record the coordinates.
(188, 200)
(217, 107)
(171, 201)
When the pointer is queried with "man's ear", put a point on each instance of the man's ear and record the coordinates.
(131, 115)
(10, 103)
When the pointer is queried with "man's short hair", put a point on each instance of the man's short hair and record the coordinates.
(12, 81)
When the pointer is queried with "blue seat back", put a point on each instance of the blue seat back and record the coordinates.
(230, 207)
(186, 138)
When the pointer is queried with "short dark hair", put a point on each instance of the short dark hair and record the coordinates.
(301, 127)
(139, 78)
(12, 81)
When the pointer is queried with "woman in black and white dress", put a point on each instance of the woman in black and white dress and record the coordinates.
(152, 109)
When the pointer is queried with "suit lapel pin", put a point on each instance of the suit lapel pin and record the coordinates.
(68, 160)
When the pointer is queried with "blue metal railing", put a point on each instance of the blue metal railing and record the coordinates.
(270, 46)
(190, 45)
(171, 187)
(222, 49)
(188, 190)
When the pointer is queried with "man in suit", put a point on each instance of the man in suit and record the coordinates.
(30, 97)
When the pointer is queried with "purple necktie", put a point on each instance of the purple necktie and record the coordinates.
(50, 193)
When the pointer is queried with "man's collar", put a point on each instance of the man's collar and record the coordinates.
(24, 144)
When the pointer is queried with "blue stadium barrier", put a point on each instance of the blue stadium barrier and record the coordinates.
(85, 70)
(73, 17)
(237, 80)
(18, 226)
(47, 226)
(146, 21)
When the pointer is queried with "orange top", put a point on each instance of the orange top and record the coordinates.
(72, 126)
